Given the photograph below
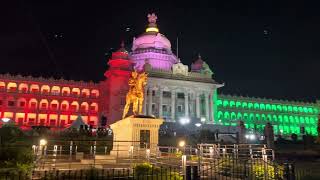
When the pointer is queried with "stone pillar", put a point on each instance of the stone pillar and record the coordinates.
(160, 101)
(186, 104)
(197, 105)
(173, 105)
(150, 102)
(145, 101)
(211, 108)
(207, 106)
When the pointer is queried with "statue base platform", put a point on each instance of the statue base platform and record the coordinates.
(134, 135)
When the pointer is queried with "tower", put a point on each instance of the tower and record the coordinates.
(116, 84)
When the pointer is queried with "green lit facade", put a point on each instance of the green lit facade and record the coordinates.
(287, 117)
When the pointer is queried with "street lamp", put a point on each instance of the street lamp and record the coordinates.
(182, 143)
(184, 120)
(43, 142)
(5, 120)
(198, 124)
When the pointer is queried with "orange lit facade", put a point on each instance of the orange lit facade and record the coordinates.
(54, 103)
(32, 101)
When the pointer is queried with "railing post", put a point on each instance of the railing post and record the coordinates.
(211, 152)
(250, 149)
(148, 155)
(184, 164)
(289, 173)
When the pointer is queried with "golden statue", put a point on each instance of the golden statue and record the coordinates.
(135, 96)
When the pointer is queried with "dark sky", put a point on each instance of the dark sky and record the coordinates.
(260, 48)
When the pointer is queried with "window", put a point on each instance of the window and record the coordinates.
(43, 105)
(33, 105)
(180, 95)
(179, 108)
(54, 106)
(10, 103)
(0, 102)
(164, 108)
(153, 92)
(34, 90)
(22, 104)
(64, 107)
(166, 94)
(73, 107)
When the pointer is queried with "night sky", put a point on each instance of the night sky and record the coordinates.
(260, 49)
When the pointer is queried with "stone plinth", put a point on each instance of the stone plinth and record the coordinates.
(129, 134)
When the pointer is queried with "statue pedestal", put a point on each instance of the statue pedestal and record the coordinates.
(135, 134)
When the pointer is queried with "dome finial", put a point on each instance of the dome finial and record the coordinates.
(152, 18)
(152, 26)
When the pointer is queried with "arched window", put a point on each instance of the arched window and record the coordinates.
(291, 119)
(55, 90)
(44, 104)
(269, 117)
(220, 115)
(95, 93)
(22, 102)
(245, 116)
(233, 116)
(250, 105)
(280, 118)
(64, 105)
(258, 117)
(75, 91)
(23, 88)
(225, 103)
(45, 89)
(84, 107)
(11, 102)
(54, 105)
(74, 106)
(289, 108)
(305, 109)
(284, 108)
(295, 109)
(251, 117)
(34, 88)
(12, 87)
(274, 118)
(238, 104)
(263, 117)
(300, 109)
(256, 106)
(262, 107)
(315, 110)
(65, 91)
(33, 103)
(2, 86)
(274, 107)
(312, 121)
(268, 107)
(94, 107)
(302, 120)
(239, 116)
(285, 119)
(219, 102)
(226, 115)
(85, 92)
(279, 107)
(244, 105)
(310, 110)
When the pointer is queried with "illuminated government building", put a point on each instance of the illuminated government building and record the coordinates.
(173, 92)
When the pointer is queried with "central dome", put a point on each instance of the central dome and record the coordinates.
(152, 47)
(151, 40)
